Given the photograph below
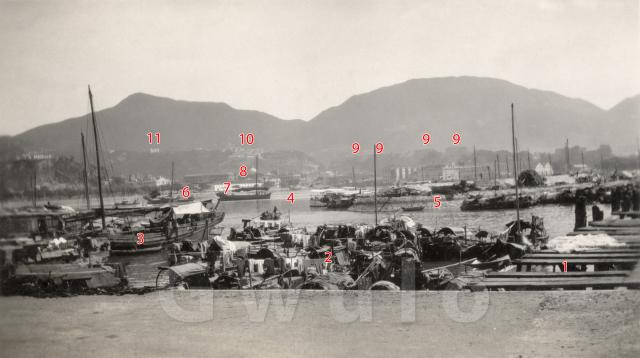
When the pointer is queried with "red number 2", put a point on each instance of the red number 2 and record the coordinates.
(290, 198)
(327, 257)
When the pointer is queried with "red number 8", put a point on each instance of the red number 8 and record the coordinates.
(243, 170)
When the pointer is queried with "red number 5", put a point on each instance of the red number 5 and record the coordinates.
(436, 201)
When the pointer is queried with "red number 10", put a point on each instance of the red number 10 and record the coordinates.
(246, 138)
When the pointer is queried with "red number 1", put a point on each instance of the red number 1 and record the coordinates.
(564, 265)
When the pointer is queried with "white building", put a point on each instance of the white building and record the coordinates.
(544, 170)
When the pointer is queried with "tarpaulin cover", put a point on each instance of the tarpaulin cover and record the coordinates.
(189, 269)
(193, 208)
(582, 242)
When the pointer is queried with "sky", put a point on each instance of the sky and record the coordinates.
(296, 58)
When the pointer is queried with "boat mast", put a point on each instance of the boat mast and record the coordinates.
(353, 172)
(375, 187)
(256, 176)
(95, 137)
(35, 180)
(171, 188)
(515, 171)
(475, 163)
(85, 176)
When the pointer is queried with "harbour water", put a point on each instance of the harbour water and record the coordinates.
(142, 269)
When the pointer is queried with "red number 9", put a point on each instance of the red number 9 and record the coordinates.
(356, 147)
(379, 147)
(456, 138)
(426, 138)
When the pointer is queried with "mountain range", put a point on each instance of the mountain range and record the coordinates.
(476, 108)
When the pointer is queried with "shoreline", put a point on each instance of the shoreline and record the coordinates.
(534, 323)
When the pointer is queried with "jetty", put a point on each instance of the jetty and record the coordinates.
(609, 267)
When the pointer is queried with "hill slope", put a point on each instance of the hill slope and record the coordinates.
(183, 126)
(477, 108)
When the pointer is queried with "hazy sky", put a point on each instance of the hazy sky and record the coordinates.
(296, 58)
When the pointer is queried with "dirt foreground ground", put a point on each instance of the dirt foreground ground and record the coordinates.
(313, 323)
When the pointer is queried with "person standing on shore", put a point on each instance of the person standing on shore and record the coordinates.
(580, 212)
(615, 200)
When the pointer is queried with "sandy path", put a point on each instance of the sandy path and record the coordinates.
(560, 324)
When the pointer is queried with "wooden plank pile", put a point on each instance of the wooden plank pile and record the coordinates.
(611, 267)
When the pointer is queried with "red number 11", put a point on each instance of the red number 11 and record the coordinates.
(150, 137)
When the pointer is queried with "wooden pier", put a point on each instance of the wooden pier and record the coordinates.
(612, 267)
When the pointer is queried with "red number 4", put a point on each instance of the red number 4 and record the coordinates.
(290, 198)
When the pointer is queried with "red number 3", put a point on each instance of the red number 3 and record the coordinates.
(140, 236)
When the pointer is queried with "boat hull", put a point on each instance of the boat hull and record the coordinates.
(237, 197)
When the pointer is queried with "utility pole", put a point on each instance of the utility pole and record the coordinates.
(498, 166)
(582, 153)
(529, 159)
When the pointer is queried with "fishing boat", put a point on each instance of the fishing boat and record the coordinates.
(244, 195)
(413, 208)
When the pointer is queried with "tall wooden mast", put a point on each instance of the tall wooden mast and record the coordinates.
(85, 175)
(515, 171)
(95, 137)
